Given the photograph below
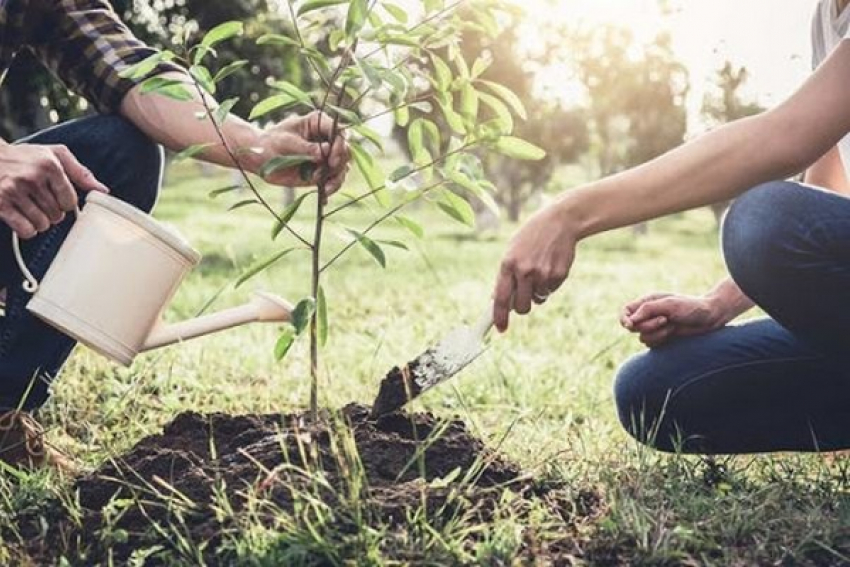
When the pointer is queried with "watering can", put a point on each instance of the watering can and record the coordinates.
(115, 274)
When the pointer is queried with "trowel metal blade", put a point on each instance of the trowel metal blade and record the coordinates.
(455, 352)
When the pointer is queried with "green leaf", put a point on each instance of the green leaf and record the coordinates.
(222, 32)
(434, 5)
(370, 246)
(322, 319)
(241, 204)
(171, 88)
(347, 116)
(312, 5)
(292, 90)
(402, 116)
(191, 152)
(277, 39)
(463, 181)
(481, 64)
(367, 167)
(223, 111)
(415, 137)
(356, 17)
(453, 119)
(271, 103)
(508, 96)
(201, 51)
(284, 343)
(519, 149)
(457, 208)
(143, 68)
(282, 162)
(202, 75)
(500, 110)
(229, 69)
(302, 313)
(395, 244)
(217, 192)
(411, 225)
(442, 73)
(397, 12)
(370, 134)
(335, 39)
(262, 265)
(401, 39)
(432, 132)
(371, 73)
(400, 173)
(287, 214)
(469, 102)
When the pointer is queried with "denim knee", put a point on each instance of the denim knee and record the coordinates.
(756, 234)
(640, 403)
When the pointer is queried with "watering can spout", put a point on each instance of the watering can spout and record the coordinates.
(262, 307)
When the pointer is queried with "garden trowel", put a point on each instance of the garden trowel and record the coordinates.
(434, 366)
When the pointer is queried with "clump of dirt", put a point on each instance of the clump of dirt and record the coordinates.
(203, 465)
(396, 389)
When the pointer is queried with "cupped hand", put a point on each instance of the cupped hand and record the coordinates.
(660, 317)
(37, 186)
(537, 262)
(312, 135)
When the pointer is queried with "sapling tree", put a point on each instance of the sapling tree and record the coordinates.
(370, 68)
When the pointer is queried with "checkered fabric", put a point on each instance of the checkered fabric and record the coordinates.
(83, 42)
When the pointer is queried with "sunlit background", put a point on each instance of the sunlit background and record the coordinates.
(770, 38)
(609, 84)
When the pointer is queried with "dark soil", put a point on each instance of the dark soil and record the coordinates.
(396, 389)
(182, 476)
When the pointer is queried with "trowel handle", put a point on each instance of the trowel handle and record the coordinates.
(485, 322)
(30, 284)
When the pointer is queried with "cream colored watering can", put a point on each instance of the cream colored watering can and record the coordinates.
(114, 276)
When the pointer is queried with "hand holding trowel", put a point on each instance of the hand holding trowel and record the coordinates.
(434, 366)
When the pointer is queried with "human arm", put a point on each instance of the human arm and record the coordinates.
(175, 124)
(829, 173)
(660, 317)
(86, 45)
(37, 186)
(717, 166)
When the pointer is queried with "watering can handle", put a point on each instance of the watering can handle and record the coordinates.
(30, 284)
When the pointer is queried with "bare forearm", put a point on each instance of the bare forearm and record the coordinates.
(718, 166)
(723, 164)
(828, 172)
(729, 300)
(176, 125)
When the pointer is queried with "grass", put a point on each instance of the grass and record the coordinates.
(543, 391)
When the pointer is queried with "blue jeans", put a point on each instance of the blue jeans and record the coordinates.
(130, 164)
(777, 384)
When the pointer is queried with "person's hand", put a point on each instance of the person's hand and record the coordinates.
(660, 317)
(537, 262)
(37, 186)
(312, 136)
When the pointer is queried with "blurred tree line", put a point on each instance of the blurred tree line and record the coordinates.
(630, 107)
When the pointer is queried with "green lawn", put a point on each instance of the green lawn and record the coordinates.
(546, 384)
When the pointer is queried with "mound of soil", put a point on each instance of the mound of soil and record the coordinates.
(202, 464)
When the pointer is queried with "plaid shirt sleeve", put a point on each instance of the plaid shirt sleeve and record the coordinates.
(86, 45)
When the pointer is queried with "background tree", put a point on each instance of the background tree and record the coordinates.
(636, 95)
(559, 130)
(562, 132)
(727, 103)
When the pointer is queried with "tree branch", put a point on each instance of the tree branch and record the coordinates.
(380, 220)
